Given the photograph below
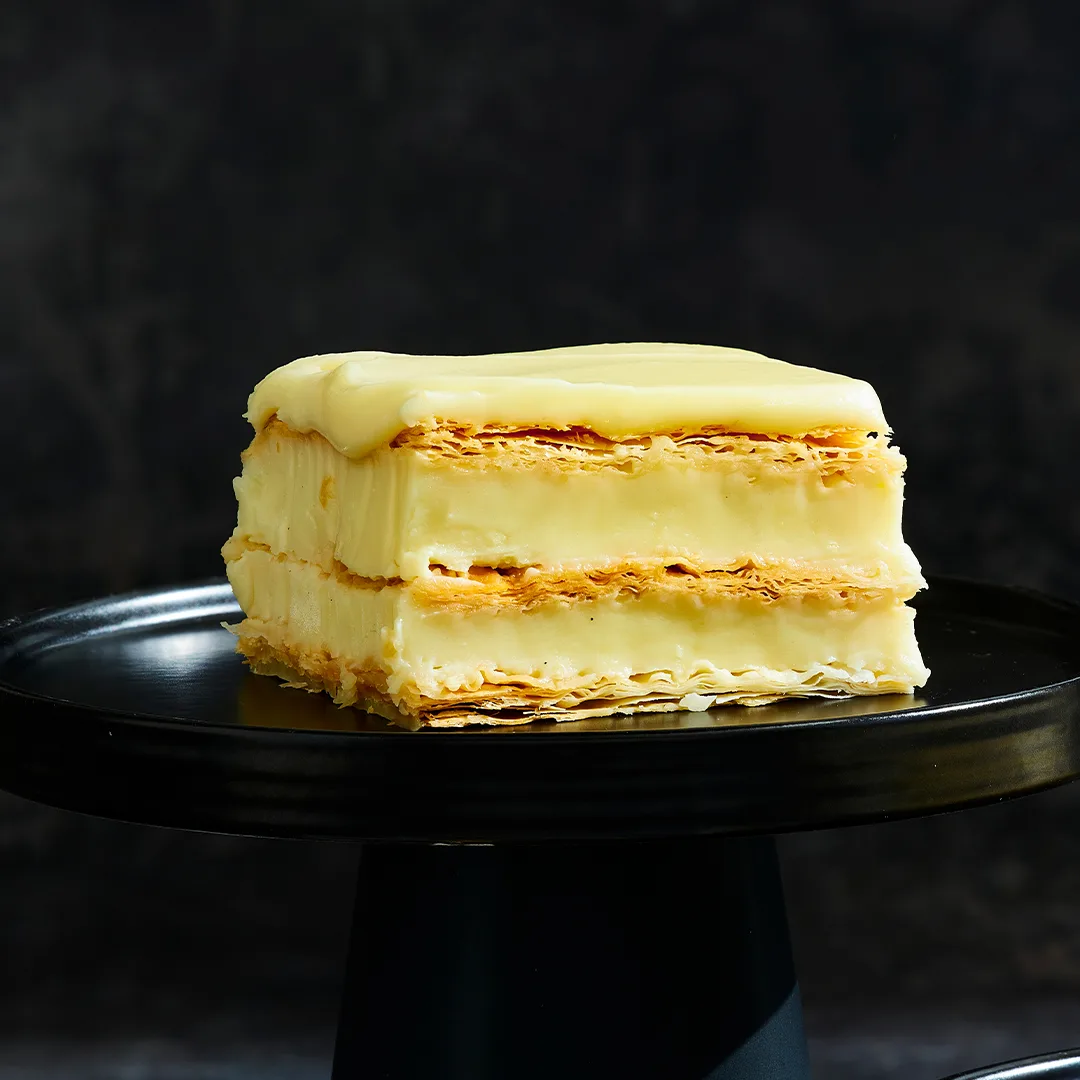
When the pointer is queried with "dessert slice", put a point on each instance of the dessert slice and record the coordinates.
(568, 533)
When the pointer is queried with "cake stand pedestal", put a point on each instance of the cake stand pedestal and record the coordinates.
(599, 898)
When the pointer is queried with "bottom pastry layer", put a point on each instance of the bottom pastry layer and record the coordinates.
(382, 649)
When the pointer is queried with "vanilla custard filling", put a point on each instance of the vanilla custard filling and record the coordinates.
(395, 513)
(634, 645)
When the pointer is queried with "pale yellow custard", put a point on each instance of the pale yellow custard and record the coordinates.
(362, 400)
(614, 528)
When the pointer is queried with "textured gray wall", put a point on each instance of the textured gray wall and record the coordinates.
(191, 194)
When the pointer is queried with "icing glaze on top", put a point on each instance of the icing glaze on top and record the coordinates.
(362, 400)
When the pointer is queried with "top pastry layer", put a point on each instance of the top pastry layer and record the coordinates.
(361, 401)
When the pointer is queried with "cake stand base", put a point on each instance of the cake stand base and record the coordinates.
(637, 961)
(628, 922)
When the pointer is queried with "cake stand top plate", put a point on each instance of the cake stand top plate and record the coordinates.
(137, 708)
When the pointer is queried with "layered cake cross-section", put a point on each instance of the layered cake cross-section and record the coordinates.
(450, 540)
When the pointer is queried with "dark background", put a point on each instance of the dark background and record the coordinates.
(192, 194)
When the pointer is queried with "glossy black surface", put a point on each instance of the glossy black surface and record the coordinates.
(137, 708)
(1065, 1066)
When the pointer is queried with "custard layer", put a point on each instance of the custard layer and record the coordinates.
(619, 653)
(399, 512)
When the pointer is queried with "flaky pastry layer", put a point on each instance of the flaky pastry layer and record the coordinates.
(364, 685)
(827, 452)
(524, 588)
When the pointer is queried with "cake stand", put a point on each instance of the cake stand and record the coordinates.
(594, 899)
(1064, 1066)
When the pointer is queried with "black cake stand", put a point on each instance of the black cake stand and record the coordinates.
(593, 899)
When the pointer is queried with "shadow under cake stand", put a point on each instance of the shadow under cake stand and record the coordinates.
(592, 899)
